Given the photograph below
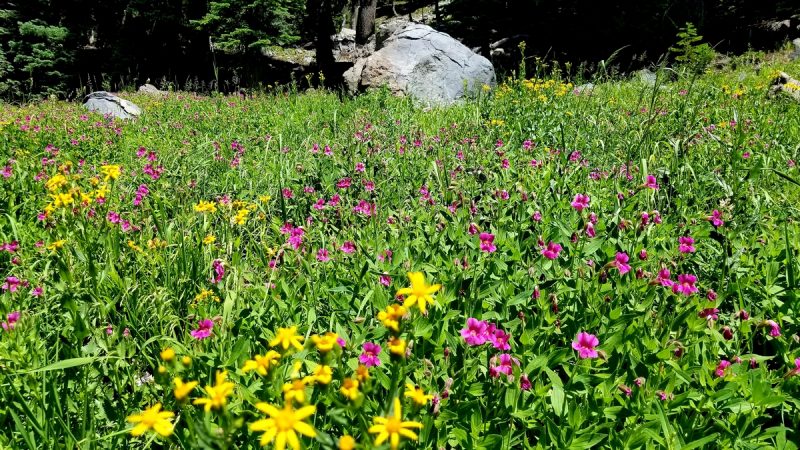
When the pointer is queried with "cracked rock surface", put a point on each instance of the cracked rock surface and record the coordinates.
(426, 64)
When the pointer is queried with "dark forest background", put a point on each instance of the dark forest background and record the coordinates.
(65, 47)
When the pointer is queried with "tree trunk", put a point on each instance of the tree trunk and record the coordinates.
(321, 19)
(366, 20)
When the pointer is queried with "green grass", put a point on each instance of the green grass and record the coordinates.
(86, 354)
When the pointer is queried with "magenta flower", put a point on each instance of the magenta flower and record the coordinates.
(590, 231)
(498, 337)
(537, 216)
(651, 182)
(709, 313)
(585, 344)
(774, 328)
(385, 279)
(502, 364)
(322, 255)
(476, 332)
(663, 278)
(685, 285)
(722, 367)
(344, 183)
(365, 208)
(552, 250)
(369, 356)
(203, 330)
(686, 244)
(360, 167)
(12, 284)
(580, 202)
(11, 321)
(37, 291)
(525, 383)
(348, 247)
(9, 247)
(621, 263)
(487, 242)
(472, 229)
(716, 219)
(219, 271)
(296, 237)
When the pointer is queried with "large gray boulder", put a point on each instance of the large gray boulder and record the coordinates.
(149, 89)
(423, 63)
(105, 103)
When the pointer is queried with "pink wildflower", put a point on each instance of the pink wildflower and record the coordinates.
(722, 367)
(552, 250)
(11, 321)
(203, 330)
(621, 263)
(716, 219)
(685, 285)
(369, 356)
(651, 182)
(476, 332)
(487, 243)
(585, 344)
(219, 271)
(502, 364)
(686, 244)
(348, 247)
(580, 202)
(774, 328)
(322, 255)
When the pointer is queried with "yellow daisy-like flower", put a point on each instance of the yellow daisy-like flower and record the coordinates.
(262, 364)
(168, 354)
(111, 171)
(283, 425)
(57, 244)
(397, 346)
(325, 342)
(55, 182)
(217, 395)
(265, 198)
(205, 207)
(323, 374)
(393, 427)
(154, 419)
(241, 217)
(286, 337)
(362, 373)
(416, 394)
(390, 317)
(182, 389)
(210, 239)
(419, 293)
(62, 199)
(350, 388)
(347, 442)
(295, 390)
(186, 361)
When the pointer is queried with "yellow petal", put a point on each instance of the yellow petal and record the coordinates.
(291, 436)
(395, 441)
(305, 429)
(280, 441)
(304, 412)
(381, 438)
(139, 430)
(408, 433)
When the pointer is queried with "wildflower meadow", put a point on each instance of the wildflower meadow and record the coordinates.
(544, 266)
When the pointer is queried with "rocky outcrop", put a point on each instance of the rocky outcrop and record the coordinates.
(423, 63)
(105, 103)
(787, 86)
(149, 89)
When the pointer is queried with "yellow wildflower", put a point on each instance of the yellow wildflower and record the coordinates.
(62, 199)
(362, 373)
(186, 361)
(283, 425)
(419, 293)
(286, 337)
(295, 390)
(350, 388)
(265, 198)
(55, 182)
(262, 364)
(325, 342)
(205, 207)
(390, 317)
(152, 419)
(397, 346)
(416, 394)
(111, 171)
(182, 390)
(347, 442)
(241, 217)
(217, 395)
(393, 427)
(323, 374)
(57, 244)
(168, 354)
(210, 239)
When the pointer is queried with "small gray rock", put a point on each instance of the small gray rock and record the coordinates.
(150, 89)
(796, 53)
(105, 103)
